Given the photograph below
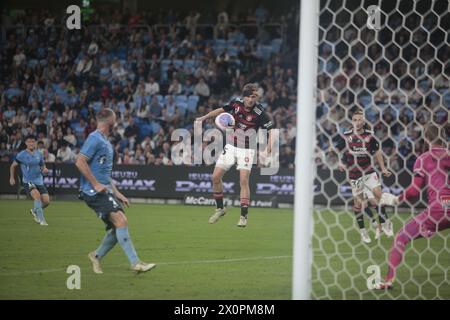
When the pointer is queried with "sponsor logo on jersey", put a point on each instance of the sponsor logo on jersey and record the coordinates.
(445, 201)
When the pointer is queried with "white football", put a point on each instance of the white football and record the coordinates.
(225, 121)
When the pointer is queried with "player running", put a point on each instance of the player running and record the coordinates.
(97, 189)
(248, 114)
(431, 171)
(358, 145)
(32, 165)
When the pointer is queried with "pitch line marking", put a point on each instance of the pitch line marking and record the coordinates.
(174, 263)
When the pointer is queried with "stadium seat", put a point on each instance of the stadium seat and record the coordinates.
(276, 45)
(446, 99)
(265, 51)
(32, 63)
(181, 98)
(165, 63)
(189, 64)
(218, 49)
(145, 130)
(121, 53)
(189, 70)
(192, 106)
(231, 42)
(166, 98)
(220, 42)
(155, 126)
(233, 51)
(183, 107)
(192, 103)
(365, 100)
(177, 63)
(97, 105)
(194, 98)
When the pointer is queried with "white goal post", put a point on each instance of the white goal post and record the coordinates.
(304, 166)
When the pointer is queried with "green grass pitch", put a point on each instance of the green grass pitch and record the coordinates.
(200, 261)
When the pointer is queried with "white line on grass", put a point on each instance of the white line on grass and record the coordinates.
(174, 263)
(159, 264)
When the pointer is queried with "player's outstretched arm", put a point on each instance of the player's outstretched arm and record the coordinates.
(83, 167)
(211, 114)
(380, 160)
(413, 191)
(12, 173)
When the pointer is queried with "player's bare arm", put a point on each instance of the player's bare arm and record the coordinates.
(44, 169)
(12, 173)
(83, 166)
(341, 167)
(380, 160)
(211, 114)
(267, 150)
(119, 195)
(341, 164)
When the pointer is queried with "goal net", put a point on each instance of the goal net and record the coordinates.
(396, 69)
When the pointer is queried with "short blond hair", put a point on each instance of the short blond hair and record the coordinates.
(104, 114)
(358, 112)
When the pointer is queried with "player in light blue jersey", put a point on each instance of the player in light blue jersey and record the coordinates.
(32, 166)
(97, 189)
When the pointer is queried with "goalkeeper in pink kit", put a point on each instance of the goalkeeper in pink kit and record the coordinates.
(431, 171)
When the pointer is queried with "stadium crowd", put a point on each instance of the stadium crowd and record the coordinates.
(401, 84)
(160, 70)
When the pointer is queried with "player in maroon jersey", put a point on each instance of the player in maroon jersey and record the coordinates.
(431, 171)
(358, 146)
(240, 147)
